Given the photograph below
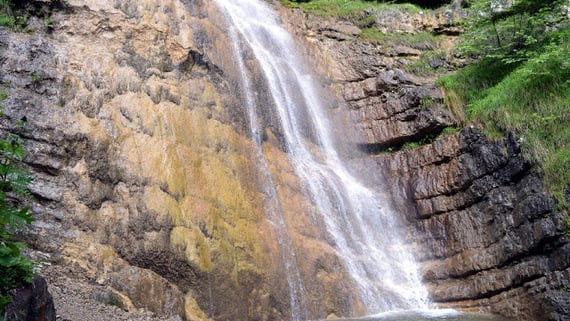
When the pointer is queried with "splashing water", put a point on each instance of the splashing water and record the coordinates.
(359, 225)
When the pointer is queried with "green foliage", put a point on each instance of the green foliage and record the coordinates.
(14, 182)
(48, 22)
(11, 17)
(449, 130)
(510, 31)
(6, 17)
(36, 77)
(15, 14)
(528, 95)
(428, 139)
(428, 63)
(348, 9)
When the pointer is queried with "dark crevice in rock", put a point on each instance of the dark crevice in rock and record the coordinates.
(544, 248)
(492, 293)
(176, 270)
(39, 168)
(420, 138)
(199, 59)
(41, 198)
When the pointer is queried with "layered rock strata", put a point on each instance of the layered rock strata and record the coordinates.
(140, 178)
(144, 174)
(486, 233)
(144, 180)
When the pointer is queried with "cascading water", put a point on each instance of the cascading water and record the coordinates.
(362, 229)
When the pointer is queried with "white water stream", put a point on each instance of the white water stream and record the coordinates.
(362, 229)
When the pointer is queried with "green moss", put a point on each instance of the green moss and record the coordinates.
(219, 231)
(449, 130)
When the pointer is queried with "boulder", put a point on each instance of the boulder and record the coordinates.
(31, 302)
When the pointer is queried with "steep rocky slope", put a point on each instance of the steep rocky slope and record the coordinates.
(145, 181)
(145, 186)
(141, 180)
(487, 234)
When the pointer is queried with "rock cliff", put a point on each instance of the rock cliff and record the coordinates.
(144, 180)
(487, 234)
(145, 183)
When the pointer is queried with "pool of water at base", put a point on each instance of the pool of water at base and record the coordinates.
(429, 315)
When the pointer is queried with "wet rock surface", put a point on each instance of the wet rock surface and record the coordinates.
(486, 233)
(130, 133)
(144, 181)
(144, 184)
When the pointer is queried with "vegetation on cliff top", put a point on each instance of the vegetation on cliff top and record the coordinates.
(519, 80)
(348, 8)
(357, 11)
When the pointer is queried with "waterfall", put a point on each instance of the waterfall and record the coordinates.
(361, 227)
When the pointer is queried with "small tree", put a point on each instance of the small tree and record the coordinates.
(14, 181)
(509, 30)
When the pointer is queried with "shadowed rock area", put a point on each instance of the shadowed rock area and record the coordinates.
(31, 302)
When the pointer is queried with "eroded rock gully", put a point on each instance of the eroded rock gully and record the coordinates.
(487, 235)
(144, 183)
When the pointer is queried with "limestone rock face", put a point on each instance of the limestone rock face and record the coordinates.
(145, 179)
(486, 233)
(145, 182)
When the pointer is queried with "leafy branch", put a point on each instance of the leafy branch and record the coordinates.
(14, 182)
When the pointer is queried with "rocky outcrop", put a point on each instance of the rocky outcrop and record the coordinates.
(31, 302)
(145, 180)
(488, 236)
(145, 184)
(142, 178)
(394, 108)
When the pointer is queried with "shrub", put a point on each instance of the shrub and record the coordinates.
(14, 182)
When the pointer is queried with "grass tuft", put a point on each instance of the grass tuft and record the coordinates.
(349, 9)
(531, 98)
